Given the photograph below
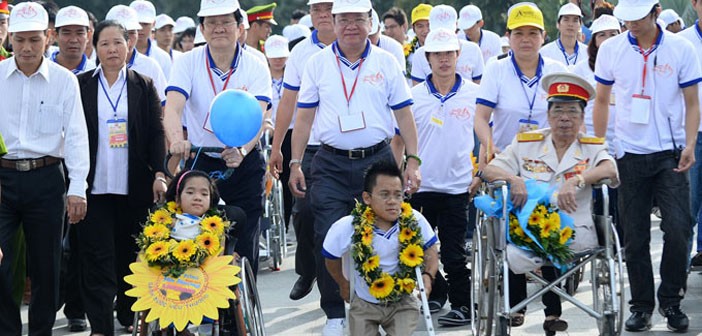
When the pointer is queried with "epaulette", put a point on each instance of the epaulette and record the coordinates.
(592, 140)
(530, 137)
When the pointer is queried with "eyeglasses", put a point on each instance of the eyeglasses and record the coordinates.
(222, 24)
(386, 196)
(356, 22)
(570, 112)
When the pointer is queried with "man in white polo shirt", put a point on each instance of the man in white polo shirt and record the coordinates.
(386, 43)
(566, 48)
(147, 17)
(444, 108)
(72, 27)
(470, 58)
(303, 217)
(656, 75)
(348, 91)
(470, 23)
(163, 34)
(197, 77)
(43, 127)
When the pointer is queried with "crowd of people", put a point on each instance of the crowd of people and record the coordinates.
(436, 105)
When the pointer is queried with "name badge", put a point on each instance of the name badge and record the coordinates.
(117, 133)
(612, 99)
(436, 121)
(640, 108)
(353, 122)
(526, 125)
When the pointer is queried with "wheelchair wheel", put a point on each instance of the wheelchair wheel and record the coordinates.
(141, 328)
(249, 301)
(483, 283)
(608, 287)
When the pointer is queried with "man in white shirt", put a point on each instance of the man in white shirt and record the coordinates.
(395, 21)
(470, 23)
(163, 34)
(197, 77)
(656, 75)
(385, 42)
(72, 27)
(444, 108)
(147, 17)
(303, 217)
(42, 123)
(567, 49)
(369, 83)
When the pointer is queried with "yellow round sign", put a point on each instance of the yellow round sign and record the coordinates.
(197, 293)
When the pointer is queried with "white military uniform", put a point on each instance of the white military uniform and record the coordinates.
(533, 156)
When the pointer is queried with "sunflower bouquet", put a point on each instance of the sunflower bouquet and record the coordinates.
(383, 286)
(172, 256)
(544, 234)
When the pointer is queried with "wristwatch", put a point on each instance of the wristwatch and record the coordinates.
(243, 151)
(581, 181)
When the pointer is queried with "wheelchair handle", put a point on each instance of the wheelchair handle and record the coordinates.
(193, 149)
(602, 182)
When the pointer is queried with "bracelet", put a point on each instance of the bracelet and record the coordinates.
(294, 161)
(412, 156)
(429, 274)
(162, 180)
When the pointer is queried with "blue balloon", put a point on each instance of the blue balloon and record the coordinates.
(236, 117)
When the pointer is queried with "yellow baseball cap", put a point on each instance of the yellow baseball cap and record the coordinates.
(524, 14)
(421, 12)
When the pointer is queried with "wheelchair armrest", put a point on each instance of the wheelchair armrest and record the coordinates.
(497, 184)
(600, 183)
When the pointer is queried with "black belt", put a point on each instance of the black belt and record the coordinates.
(357, 153)
(24, 165)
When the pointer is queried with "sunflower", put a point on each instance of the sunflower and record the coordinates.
(550, 225)
(184, 250)
(565, 235)
(173, 207)
(406, 285)
(368, 216)
(367, 238)
(406, 210)
(519, 232)
(412, 255)
(406, 234)
(161, 216)
(382, 287)
(371, 264)
(157, 231)
(213, 224)
(541, 209)
(536, 218)
(156, 251)
(208, 242)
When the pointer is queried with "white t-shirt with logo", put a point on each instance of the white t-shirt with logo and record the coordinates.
(469, 63)
(490, 43)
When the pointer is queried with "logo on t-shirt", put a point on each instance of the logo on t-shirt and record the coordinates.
(374, 80)
(460, 113)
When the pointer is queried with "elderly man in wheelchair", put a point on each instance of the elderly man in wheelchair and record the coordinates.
(567, 160)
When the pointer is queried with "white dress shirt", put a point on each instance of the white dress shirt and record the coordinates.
(42, 115)
(111, 164)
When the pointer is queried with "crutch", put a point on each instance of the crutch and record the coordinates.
(425, 302)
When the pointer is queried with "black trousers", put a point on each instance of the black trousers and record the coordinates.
(518, 291)
(303, 222)
(288, 199)
(106, 248)
(70, 275)
(36, 200)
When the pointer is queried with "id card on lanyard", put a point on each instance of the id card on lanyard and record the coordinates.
(117, 127)
(528, 124)
(641, 103)
(350, 122)
(206, 124)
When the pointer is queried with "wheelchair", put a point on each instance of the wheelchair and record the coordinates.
(244, 316)
(273, 237)
(492, 312)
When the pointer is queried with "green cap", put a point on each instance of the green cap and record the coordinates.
(262, 13)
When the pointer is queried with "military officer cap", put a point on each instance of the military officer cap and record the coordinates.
(567, 87)
(262, 13)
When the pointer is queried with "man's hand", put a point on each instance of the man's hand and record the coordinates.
(76, 208)
(159, 189)
(687, 159)
(275, 163)
(413, 179)
(181, 148)
(566, 196)
(518, 191)
(297, 184)
(474, 186)
(345, 291)
(232, 157)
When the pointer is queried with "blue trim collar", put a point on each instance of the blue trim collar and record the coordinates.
(235, 63)
(343, 59)
(432, 89)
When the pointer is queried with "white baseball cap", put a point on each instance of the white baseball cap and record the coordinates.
(375, 23)
(295, 31)
(632, 10)
(443, 16)
(145, 9)
(351, 6)
(605, 22)
(244, 18)
(312, 2)
(669, 16)
(163, 20)
(126, 16)
(570, 9)
(72, 16)
(307, 21)
(199, 38)
(28, 16)
(276, 46)
(183, 23)
(469, 16)
(217, 7)
(441, 39)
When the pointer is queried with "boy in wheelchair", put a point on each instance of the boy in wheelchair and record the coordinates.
(566, 159)
(386, 240)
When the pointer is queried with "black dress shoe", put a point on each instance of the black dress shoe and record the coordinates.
(638, 321)
(301, 288)
(551, 326)
(77, 325)
(677, 320)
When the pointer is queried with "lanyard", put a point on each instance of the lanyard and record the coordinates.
(209, 72)
(565, 55)
(530, 82)
(343, 81)
(115, 104)
(278, 85)
(646, 54)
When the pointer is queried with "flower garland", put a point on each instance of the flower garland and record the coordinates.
(383, 286)
(409, 49)
(175, 257)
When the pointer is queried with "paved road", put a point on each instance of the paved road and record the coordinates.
(286, 317)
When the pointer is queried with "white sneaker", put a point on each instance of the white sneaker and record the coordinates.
(334, 327)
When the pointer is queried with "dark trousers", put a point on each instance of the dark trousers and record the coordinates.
(107, 248)
(448, 213)
(303, 222)
(518, 291)
(642, 177)
(338, 182)
(288, 199)
(244, 189)
(70, 280)
(36, 201)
